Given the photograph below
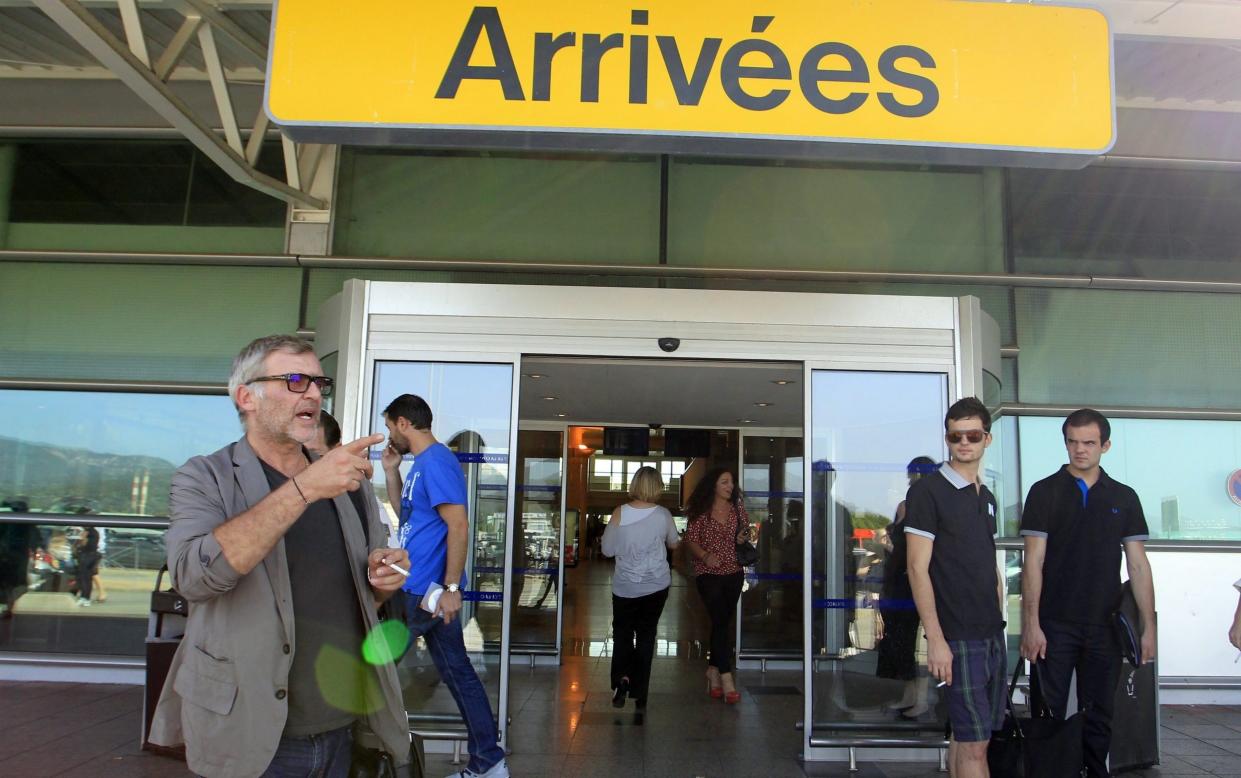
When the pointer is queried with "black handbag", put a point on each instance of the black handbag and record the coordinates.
(747, 554)
(1035, 746)
(166, 601)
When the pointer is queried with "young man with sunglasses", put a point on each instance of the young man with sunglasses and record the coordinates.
(950, 530)
(284, 561)
(1075, 524)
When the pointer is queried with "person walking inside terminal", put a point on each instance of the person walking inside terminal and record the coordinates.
(269, 544)
(717, 523)
(1075, 524)
(950, 529)
(639, 534)
(435, 530)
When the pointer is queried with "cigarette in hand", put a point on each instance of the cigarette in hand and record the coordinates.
(398, 568)
(940, 684)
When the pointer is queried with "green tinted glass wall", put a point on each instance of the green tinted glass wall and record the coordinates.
(1084, 347)
(138, 322)
(1151, 223)
(457, 206)
(827, 218)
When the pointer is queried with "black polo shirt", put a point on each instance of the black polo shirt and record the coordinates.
(1086, 532)
(960, 519)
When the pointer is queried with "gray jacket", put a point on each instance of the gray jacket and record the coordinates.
(225, 696)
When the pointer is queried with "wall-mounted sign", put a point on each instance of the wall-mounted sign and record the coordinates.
(930, 80)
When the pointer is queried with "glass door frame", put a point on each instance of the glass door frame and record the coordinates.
(373, 356)
(563, 429)
(956, 377)
(497, 323)
(759, 432)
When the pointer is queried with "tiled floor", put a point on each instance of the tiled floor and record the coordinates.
(563, 722)
(91, 730)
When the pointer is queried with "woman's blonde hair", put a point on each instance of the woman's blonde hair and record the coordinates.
(646, 485)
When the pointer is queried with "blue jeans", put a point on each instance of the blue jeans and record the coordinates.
(326, 755)
(447, 648)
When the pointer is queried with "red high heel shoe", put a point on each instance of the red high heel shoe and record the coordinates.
(731, 697)
(714, 690)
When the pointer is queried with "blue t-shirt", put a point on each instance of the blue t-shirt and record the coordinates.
(434, 479)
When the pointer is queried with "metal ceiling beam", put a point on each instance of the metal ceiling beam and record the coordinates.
(1204, 20)
(90, 33)
(218, 19)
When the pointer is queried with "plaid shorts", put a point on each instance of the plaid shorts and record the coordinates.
(976, 696)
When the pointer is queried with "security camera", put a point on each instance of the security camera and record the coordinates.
(670, 344)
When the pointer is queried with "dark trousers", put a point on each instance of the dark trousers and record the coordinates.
(634, 620)
(719, 594)
(88, 567)
(1091, 650)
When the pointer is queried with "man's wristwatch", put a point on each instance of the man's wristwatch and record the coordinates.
(454, 588)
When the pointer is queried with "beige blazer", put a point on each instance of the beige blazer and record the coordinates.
(225, 693)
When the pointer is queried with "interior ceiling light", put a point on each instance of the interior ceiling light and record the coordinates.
(746, 421)
(762, 405)
(782, 381)
(562, 415)
(549, 397)
(535, 376)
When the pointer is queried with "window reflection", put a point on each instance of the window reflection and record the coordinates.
(104, 452)
(867, 429)
(44, 583)
(1181, 470)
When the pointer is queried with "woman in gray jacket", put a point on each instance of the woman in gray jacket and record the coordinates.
(639, 535)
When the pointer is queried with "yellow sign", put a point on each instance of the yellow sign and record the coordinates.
(934, 74)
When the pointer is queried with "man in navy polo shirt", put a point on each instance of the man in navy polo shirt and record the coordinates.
(435, 530)
(1075, 524)
(950, 529)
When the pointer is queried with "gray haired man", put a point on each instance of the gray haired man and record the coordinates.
(283, 559)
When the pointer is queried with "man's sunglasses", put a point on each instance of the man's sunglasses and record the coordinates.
(298, 383)
(973, 436)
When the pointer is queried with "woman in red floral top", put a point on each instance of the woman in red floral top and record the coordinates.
(717, 523)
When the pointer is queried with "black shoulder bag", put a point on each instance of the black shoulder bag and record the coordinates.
(1038, 745)
(747, 554)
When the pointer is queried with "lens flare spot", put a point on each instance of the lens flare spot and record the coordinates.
(346, 683)
(385, 643)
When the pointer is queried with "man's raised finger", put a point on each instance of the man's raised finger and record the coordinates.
(360, 445)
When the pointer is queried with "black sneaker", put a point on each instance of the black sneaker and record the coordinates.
(618, 696)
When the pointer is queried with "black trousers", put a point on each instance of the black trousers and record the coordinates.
(719, 594)
(1093, 651)
(88, 567)
(634, 621)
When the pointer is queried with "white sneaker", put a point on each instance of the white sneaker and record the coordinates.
(498, 770)
(83, 602)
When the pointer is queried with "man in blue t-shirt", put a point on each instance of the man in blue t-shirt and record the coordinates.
(435, 530)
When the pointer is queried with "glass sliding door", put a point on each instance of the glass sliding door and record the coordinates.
(771, 607)
(537, 540)
(472, 408)
(865, 428)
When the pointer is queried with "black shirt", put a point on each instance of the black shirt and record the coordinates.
(328, 677)
(1085, 534)
(960, 519)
